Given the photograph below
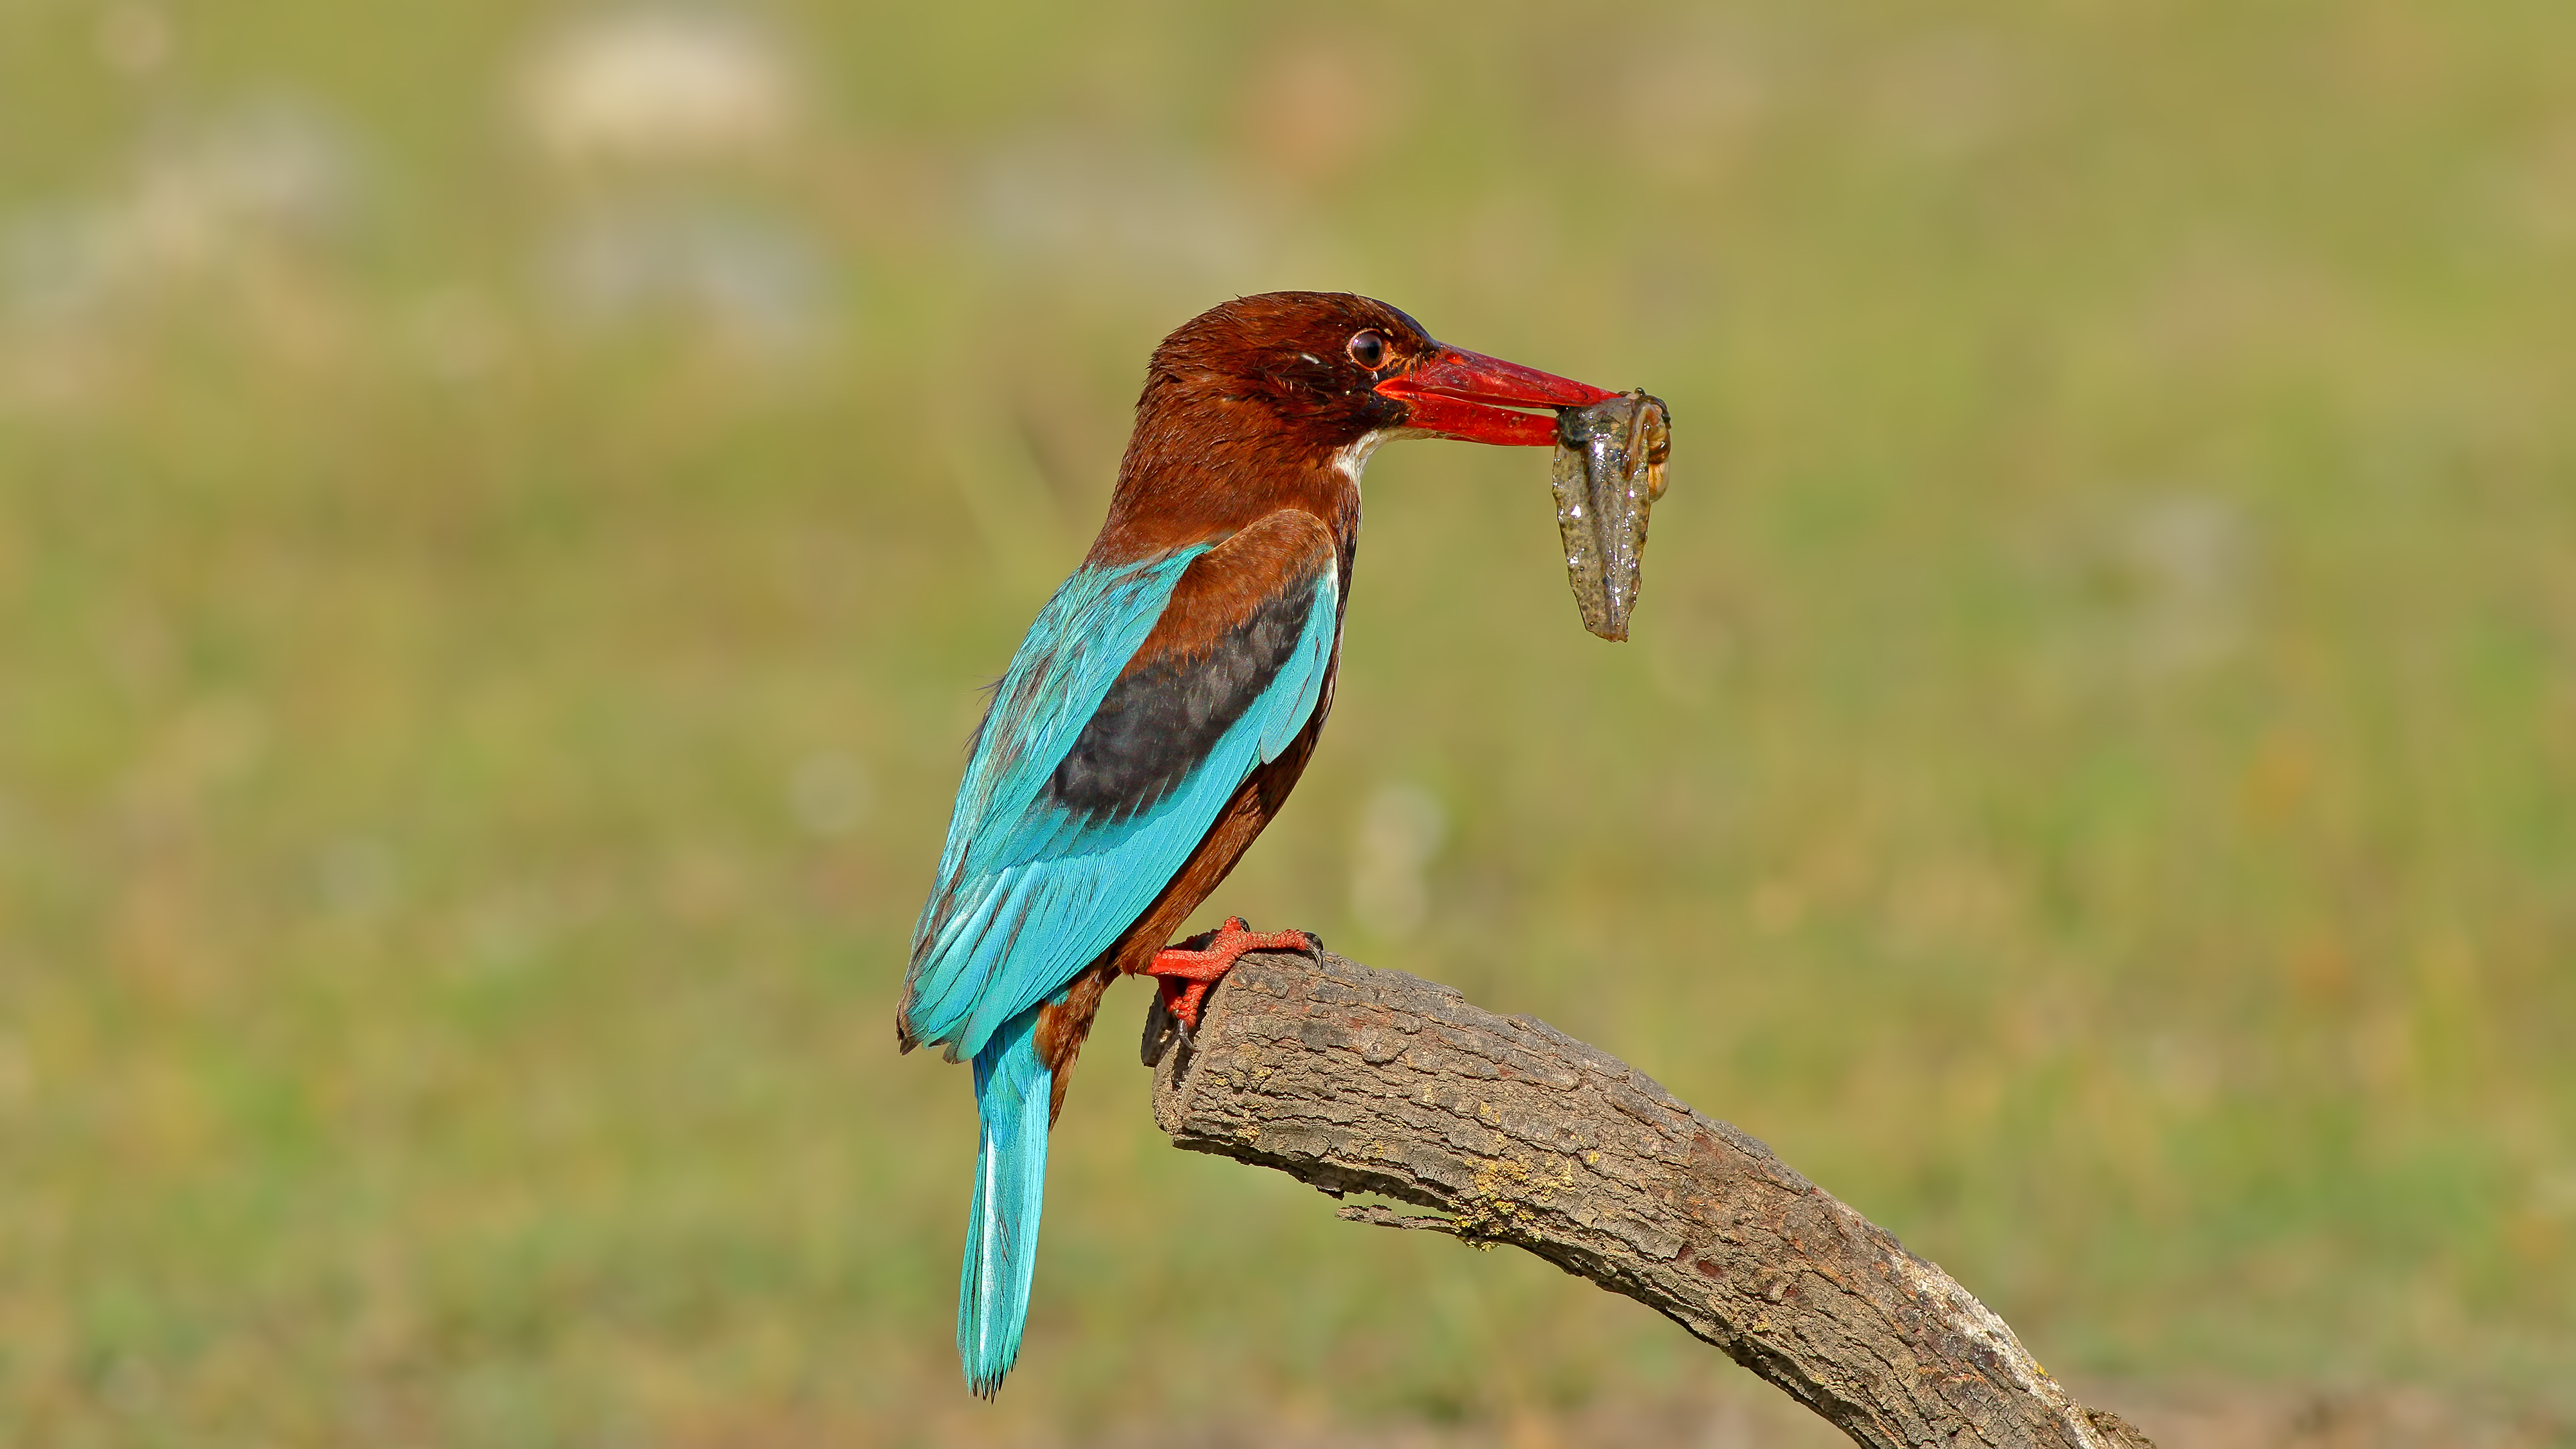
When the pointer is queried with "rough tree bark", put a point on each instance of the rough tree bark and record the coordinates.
(1358, 1080)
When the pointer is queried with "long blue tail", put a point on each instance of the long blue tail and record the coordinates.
(1013, 1096)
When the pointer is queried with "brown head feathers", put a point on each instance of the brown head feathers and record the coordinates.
(1244, 409)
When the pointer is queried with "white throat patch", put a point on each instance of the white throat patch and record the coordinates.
(1352, 458)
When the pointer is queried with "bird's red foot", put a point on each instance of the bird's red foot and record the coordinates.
(1187, 972)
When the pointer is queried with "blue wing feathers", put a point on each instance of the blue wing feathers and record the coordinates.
(1073, 653)
(1306, 679)
(1030, 893)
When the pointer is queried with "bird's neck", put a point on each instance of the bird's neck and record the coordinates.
(1200, 475)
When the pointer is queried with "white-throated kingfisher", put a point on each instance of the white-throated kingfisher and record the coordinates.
(1159, 712)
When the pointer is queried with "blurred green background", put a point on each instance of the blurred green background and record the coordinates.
(505, 512)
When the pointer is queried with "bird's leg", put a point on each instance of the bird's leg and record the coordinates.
(1186, 973)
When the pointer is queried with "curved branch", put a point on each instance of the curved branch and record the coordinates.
(1357, 1080)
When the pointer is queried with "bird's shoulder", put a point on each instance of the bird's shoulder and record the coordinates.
(1251, 618)
(1281, 556)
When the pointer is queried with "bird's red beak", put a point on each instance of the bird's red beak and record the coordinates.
(1455, 393)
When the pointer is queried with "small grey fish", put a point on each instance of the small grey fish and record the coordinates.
(1609, 472)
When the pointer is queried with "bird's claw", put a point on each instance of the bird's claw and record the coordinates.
(1185, 974)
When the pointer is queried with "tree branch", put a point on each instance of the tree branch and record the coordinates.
(1357, 1080)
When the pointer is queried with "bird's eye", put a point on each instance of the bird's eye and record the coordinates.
(1368, 349)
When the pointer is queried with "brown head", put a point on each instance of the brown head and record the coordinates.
(1276, 401)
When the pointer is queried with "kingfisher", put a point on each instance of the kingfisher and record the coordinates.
(1160, 710)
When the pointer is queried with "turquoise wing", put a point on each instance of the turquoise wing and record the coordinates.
(1094, 777)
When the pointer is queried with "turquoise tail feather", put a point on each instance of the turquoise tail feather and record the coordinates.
(1014, 1095)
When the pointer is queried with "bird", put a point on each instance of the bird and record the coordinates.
(1157, 714)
